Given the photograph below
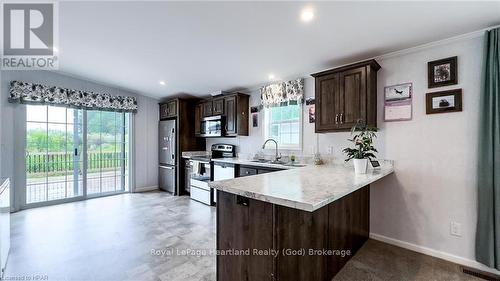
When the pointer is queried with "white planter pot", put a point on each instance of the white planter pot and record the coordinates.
(360, 166)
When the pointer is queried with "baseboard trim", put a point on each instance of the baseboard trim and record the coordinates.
(434, 253)
(146, 188)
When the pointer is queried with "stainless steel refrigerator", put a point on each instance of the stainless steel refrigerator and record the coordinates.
(168, 156)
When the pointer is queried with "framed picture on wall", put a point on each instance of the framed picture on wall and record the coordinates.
(398, 92)
(398, 102)
(442, 72)
(444, 101)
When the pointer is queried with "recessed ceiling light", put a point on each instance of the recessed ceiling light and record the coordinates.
(162, 83)
(271, 76)
(307, 14)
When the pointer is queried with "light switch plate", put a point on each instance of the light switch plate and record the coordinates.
(455, 229)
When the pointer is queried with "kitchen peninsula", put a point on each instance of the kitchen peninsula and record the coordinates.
(315, 218)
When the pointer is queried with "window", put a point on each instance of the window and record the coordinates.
(283, 124)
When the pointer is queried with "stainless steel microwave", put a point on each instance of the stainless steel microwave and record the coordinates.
(213, 126)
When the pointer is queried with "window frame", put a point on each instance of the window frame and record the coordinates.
(266, 126)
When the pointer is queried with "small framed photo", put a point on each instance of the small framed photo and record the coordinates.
(255, 120)
(442, 72)
(444, 101)
(310, 101)
(312, 114)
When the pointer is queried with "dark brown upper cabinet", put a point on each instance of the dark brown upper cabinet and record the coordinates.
(231, 120)
(345, 95)
(234, 107)
(207, 108)
(198, 115)
(237, 118)
(168, 109)
(218, 106)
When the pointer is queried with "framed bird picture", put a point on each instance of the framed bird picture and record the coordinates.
(398, 103)
(398, 92)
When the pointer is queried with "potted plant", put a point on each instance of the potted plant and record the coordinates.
(363, 147)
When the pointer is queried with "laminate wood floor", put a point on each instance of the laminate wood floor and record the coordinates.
(112, 238)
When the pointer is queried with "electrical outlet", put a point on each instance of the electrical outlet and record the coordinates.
(455, 229)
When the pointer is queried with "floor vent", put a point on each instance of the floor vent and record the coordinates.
(481, 274)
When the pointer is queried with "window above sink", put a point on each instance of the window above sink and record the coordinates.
(284, 124)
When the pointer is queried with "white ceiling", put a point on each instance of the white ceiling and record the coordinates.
(199, 47)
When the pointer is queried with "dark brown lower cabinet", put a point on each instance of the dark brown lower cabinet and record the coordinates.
(243, 226)
(252, 225)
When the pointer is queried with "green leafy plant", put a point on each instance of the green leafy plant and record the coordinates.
(363, 142)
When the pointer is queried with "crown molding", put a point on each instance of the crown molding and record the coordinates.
(462, 37)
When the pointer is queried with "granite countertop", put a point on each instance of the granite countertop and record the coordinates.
(308, 188)
(239, 161)
(189, 154)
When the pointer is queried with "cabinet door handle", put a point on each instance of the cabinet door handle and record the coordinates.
(341, 118)
(337, 118)
(244, 201)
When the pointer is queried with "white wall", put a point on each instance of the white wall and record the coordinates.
(435, 155)
(13, 126)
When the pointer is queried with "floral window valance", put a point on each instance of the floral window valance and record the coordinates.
(282, 93)
(30, 93)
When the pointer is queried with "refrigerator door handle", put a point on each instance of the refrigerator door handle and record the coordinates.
(166, 167)
(172, 149)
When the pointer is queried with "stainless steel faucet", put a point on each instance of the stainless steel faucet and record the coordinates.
(278, 156)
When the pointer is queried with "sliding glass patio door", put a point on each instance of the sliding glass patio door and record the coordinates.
(54, 142)
(107, 143)
(73, 154)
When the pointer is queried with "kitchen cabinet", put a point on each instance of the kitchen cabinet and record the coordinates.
(207, 108)
(345, 95)
(234, 107)
(246, 223)
(230, 106)
(236, 111)
(267, 170)
(198, 114)
(218, 106)
(168, 109)
(247, 170)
